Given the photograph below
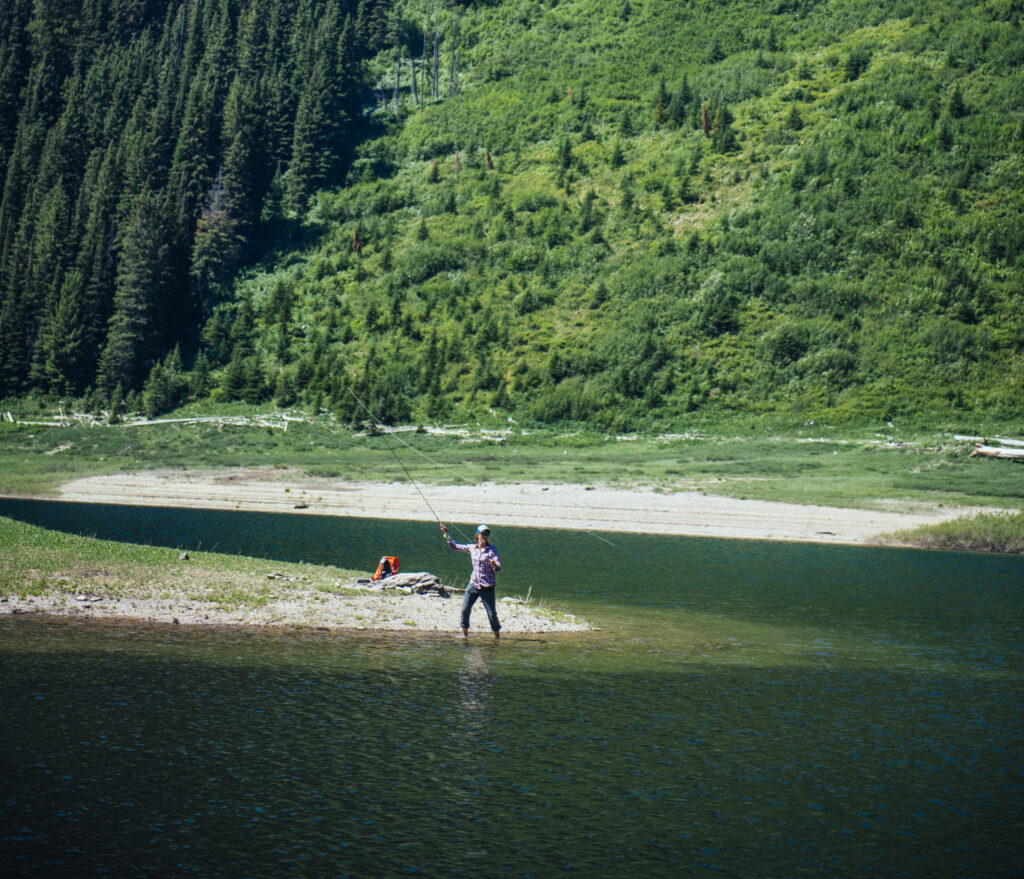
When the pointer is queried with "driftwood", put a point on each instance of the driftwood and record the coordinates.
(993, 452)
(984, 440)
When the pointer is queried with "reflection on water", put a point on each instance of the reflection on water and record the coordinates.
(474, 690)
(779, 711)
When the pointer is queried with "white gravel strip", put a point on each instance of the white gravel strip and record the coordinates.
(357, 609)
(598, 508)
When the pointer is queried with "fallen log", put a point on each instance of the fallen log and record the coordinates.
(992, 452)
(985, 440)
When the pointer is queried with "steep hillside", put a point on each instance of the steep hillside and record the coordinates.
(147, 149)
(636, 213)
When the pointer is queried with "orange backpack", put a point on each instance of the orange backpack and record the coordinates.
(387, 566)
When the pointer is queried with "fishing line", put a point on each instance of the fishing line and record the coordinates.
(454, 473)
(461, 478)
(384, 434)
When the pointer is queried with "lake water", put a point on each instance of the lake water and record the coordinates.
(748, 709)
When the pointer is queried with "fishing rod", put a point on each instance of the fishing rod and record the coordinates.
(462, 478)
(393, 452)
(384, 433)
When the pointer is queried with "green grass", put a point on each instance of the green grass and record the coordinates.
(766, 459)
(37, 561)
(984, 532)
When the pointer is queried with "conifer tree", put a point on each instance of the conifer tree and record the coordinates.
(309, 160)
(957, 107)
(49, 261)
(65, 367)
(128, 353)
(661, 104)
(14, 67)
(618, 158)
(216, 248)
(96, 255)
(565, 153)
(723, 137)
(679, 105)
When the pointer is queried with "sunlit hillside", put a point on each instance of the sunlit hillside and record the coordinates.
(621, 213)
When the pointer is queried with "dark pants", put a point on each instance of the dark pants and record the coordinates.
(487, 597)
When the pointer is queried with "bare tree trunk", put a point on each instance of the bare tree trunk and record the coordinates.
(451, 74)
(398, 75)
(415, 93)
(426, 62)
(437, 54)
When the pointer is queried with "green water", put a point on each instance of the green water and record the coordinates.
(749, 709)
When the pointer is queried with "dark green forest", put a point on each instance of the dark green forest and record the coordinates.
(625, 213)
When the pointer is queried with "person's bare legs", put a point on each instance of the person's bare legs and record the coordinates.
(465, 633)
(497, 636)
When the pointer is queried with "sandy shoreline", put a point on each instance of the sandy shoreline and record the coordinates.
(344, 610)
(597, 508)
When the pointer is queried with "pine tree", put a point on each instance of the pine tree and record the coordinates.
(128, 353)
(957, 107)
(564, 159)
(626, 123)
(244, 185)
(679, 106)
(14, 67)
(49, 260)
(618, 158)
(166, 386)
(66, 368)
(233, 381)
(723, 138)
(322, 115)
(96, 256)
(216, 249)
(661, 104)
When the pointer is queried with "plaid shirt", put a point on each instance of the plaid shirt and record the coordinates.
(485, 563)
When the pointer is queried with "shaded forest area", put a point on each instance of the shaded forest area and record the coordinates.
(624, 214)
(143, 144)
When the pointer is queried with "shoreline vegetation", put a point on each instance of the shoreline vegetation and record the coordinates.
(50, 573)
(742, 476)
(982, 532)
(766, 457)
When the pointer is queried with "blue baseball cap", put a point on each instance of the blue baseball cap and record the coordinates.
(482, 529)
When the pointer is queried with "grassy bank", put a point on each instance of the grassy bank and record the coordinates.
(866, 466)
(49, 572)
(38, 562)
(984, 532)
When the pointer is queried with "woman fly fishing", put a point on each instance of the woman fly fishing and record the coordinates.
(481, 582)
